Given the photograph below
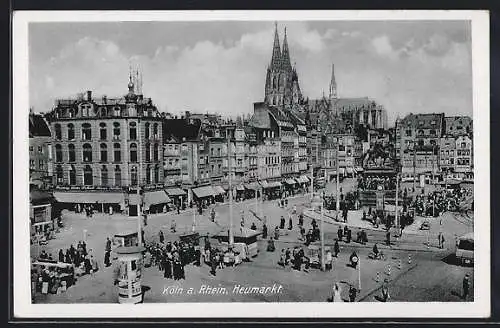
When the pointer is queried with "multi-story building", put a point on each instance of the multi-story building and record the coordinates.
(108, 145)
(464, 162)
(217, 159)
(447, 154)
(171, 159)
(458, 126)
(40, 150)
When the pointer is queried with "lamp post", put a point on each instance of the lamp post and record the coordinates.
(317, 201)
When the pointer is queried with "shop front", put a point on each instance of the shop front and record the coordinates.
(289, 187)
(220, 194)
(252, 190)
(178, 196)
(271, 189)
(157, 202)
(107, 202)
(204, 195)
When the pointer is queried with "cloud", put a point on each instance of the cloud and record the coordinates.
(431, 73)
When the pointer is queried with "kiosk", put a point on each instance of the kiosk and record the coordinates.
(129, 274)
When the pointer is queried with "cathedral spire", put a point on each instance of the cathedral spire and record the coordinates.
(276, 59)
(333, 85)
(286, 54)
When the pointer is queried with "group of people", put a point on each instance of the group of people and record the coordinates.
(82, 258)
(171, 258)
(372, 182)
(437, 202)
(296, 258)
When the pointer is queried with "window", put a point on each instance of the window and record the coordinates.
(133, 152)
(87, 176)
(40, 164)
(133, 176)
(87, 153)
(72, 175)
(157, 174)
(118, 176)
(211, 152)
(433, 122)
(133, 131)
(117, 153)
(59, 174)
(31, 148)
(71, 153)
(116, 131)
(104, 176)
(59, 154)
(146, 131)
(86, 131)
(463, 145)
(71, 131)
(40, 149)
(104, 153)
(103, 131)
(155, 130)
(420, 122)
(148, 152)
(148, 174)
(156, 152)
(58, 133)
(32, 164)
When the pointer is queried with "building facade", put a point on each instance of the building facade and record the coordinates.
(40, 150)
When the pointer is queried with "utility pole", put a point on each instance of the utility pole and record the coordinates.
(337, 207)
(231, 236)
(397, 198)
(414, 167)
(322, 232)
(139, 212)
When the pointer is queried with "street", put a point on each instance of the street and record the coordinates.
(419, 270)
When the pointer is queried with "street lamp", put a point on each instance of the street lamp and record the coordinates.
(317, 202)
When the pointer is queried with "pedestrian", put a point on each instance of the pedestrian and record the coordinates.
(173, 226)
(336, 248)
(352, 293)
(94, 264)
(162, 237)
(106, 258)
(388, 238)
(178, 209)
(328, 260)
(385, 291)
(213, 263)
(290, 223)
(167, 265)
(466, 286)
(108, 245)
(301, 220)
(264, 231)
(67, 257)
(339, 234)
(61, 256)
(253, 226)
(282, 222)
(337, 293)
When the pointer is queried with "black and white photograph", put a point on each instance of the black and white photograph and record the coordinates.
(251, 164)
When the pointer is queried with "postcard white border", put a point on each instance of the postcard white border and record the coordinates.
(23, 308)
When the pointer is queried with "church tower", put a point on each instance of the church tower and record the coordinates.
(333, 85)
(281, 79)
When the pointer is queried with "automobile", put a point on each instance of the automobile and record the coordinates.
(426, 225)
(464, 252)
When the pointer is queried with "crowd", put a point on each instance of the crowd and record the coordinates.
(437, 202)
(372, 183)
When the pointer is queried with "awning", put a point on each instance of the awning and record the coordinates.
(342, 171)
(276, 184)
(290, 182)
(302, 179)
(89, 197)
(40, 197)
(175, 192)
(264, 184)
(155, 198)
(205, 191)
(349, 170)
(219, 190)
(240, 188)
(252, 186)
(359, 169)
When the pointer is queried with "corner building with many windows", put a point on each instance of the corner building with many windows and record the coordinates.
(107, 145)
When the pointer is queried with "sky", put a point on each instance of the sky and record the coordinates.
(220, 66)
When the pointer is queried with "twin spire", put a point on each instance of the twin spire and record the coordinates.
(281, 57)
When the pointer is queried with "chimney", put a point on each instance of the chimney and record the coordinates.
(89, 95)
